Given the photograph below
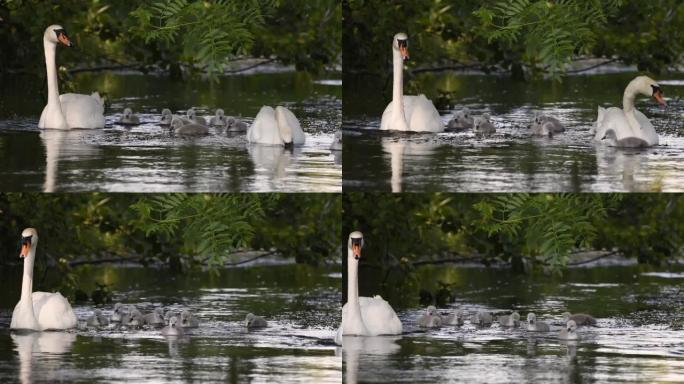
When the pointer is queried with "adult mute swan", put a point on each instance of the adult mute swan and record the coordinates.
(70, 110)
(275, 127)
(38, 311)
(408, 113)
(364, 316)
(627, 127)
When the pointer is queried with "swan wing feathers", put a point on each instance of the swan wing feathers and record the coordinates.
(53, 311)
(82, 111)
(386, 117)
(379, 317)
(263, 129)
(648, 132)
(22, 318)
(289, 127)
(422, 114)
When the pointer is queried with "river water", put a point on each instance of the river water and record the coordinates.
(300, 303)
(512, 160)
(147, 158)
(639, 337)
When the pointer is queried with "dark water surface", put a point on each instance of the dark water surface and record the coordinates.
(147, 158)
(639, 338)
(511, 160)
(300, 303)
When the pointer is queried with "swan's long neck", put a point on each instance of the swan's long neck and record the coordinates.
(354, 309)
(27, 280)
(628, 104)
(53, 90)
(398, 87)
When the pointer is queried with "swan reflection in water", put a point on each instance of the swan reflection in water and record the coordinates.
(621, 165)
(354, 347)
(399, 149)
(63, 144)
(271, 161)
(45, 350)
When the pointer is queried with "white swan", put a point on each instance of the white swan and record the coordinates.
(70, 110)
(275, 127)
(627, 127)
(39, 311)
(364, 316)
(408, 113)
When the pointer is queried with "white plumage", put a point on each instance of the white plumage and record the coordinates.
(364, 316)
(70, 110)
(277, 126)
(39, 311)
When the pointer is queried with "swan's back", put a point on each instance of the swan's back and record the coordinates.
(83, 111)
(422, 115)
(264, 128)
(290, 130)
(53, 311)
(379, 317)
(613, 124)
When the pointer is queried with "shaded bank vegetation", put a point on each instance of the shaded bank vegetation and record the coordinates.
(173, 36)
(179, 231)
(513, 36)
(528, 232)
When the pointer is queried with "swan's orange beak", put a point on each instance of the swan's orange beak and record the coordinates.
(25, 248)
(658, 95)
(356, 249)
(404, 52)
(64, 39)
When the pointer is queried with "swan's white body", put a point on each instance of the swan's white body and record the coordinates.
(39, 311)
(70, 110)
(364, 316)
(408, 113)
(627, 127)
(276, 126)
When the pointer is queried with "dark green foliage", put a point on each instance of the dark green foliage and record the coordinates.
(102, 294)
(199, 36)
(178, 230)
(541, 231)
(517, 36)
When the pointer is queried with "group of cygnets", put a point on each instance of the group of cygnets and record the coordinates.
(191, 124)
(194, 125)
(432, 319)
(171, 322)
(463, 120)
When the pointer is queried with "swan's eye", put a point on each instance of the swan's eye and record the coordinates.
(656, 89)
(357, 242)
(402, 43)
(26, 240)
